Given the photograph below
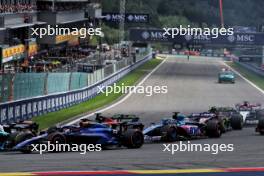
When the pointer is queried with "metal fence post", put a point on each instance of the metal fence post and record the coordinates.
(46, 84)
(70, 80)
(11, 90)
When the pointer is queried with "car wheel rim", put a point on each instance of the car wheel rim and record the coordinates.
(59, 140)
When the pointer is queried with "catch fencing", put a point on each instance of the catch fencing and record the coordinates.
(39, 93)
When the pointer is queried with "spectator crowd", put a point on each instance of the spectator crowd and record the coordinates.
(17, 8)
(61, 6)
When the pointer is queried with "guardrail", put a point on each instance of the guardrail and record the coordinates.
(202, 54)
(249, 67)
(28, 108)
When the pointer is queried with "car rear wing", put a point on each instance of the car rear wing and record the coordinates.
(204, 114)
(22, 125)
(219, 109)
(121, 117)
(118, 118)
(249, 106)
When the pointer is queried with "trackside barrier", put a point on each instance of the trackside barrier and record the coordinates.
(28, 108)
(5, 87)
(28, 85)
(251, 68)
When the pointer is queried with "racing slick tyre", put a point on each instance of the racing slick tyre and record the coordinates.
(261, 126)
(224, 126)
(169, 133)
(260, 114)
(22, 137)
(133, 138)
(11, 138)
(213, 129)
(56, 138)
(236, 122)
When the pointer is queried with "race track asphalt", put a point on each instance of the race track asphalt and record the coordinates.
(192, 87)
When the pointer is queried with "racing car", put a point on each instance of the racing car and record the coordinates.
(192, 53)
(3, 137)
(205, 116)
(251, 112)
(230, 118)
(127, 120)
(226, 76)
(12, 134)
(181, 127)
(87, 132)
(260, 126)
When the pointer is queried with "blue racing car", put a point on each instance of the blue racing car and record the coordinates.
(87, 132)
(182, 127)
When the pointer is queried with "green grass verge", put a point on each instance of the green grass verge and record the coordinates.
(253, 77)
(54, 118)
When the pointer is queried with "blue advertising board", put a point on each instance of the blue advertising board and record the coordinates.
(158, 35)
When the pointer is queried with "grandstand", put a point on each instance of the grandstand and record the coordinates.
(17, 18)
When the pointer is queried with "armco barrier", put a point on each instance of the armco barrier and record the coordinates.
(28, 108)
(256, 70)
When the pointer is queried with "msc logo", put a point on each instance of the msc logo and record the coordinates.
(108, 17)
(145, 35)
(157, 35)
(114, 17)
(231, 38)
(130, 18)
(245, 38)
(241, 38)
(137, 18)
(153, 35)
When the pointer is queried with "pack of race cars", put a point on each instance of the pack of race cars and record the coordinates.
(127, 130)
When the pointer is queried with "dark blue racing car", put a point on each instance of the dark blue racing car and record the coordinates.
(87, 132)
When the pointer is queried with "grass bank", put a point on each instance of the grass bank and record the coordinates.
(101, 100)
(253, 77)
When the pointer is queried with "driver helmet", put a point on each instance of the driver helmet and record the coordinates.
(213, 109)
(246, 103)
(180, 117)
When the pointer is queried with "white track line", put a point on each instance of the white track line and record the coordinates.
(248, 81)
(119, 102)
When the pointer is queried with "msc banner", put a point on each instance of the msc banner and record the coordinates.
(158, 35)
(128, 17)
